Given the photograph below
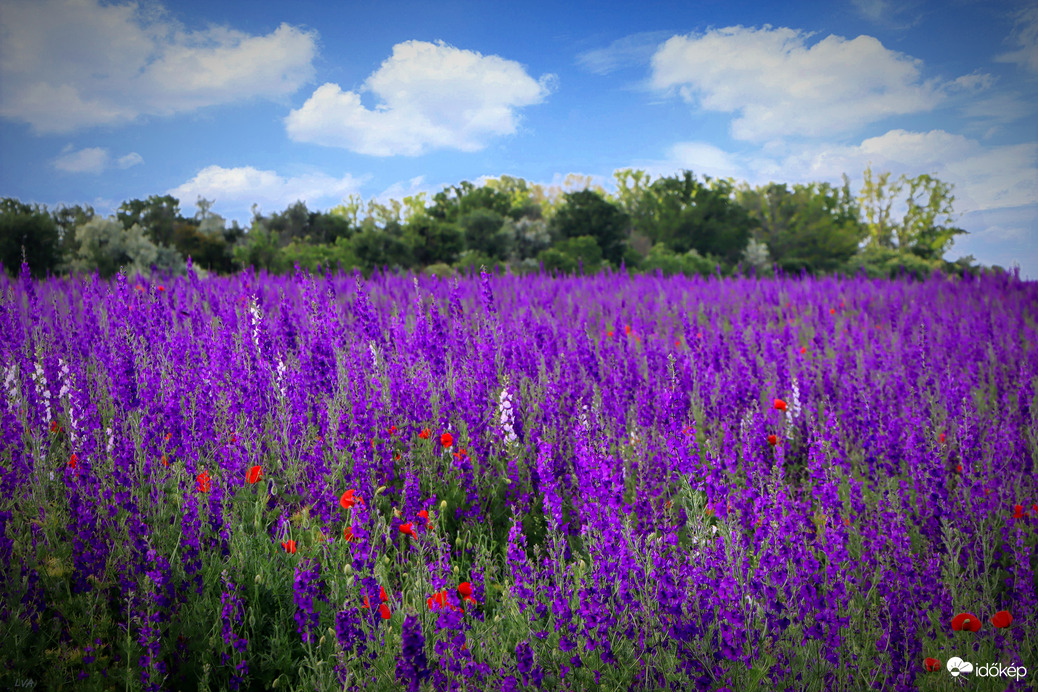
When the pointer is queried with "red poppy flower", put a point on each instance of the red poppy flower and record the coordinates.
(255, 473)
(74, 459)
(54, 426)
(289, 546)
(168, 435)
(438, 599)
(931, 664)
(1035, 508)
(423, 515)
(941, 437)
(382, 594)
(958, 467)
(446, 439)
(367, 603)
(425, 433)
(204, 482)
(465, 589)
(803, 349)
(1002, 619)
(406, 528)
(627, 329)
(1018, 512)
(165, 460)
(348, 500)
(772, 440)
(162, 288)
(832, 311)
(348, 534)
(392, 429)
(383, 610)
(609, 333)
(966, 621)
(780, 404)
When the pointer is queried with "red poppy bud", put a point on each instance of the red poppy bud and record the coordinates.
(772, 440)
(446, 439)
(931, 664)
(406, 528)
(255, 473)
(289, 546)
(425, 433)
(1002, 619)
(780, 404)
(465, 589)
(348, 500)
(383, 610)
(966, 621)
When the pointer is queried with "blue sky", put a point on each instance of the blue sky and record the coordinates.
(269, 102)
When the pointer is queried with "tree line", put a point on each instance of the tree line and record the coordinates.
(670, 224)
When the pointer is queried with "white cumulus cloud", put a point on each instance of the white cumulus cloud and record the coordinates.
(245, 185)
(778, 85)
(431, 96)
(70, 64)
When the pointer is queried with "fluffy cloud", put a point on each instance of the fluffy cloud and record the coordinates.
(780, 86)
(432, 96)
(69, 64)
(92, 160)
(243, 186)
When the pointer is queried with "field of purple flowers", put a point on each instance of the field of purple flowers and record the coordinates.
(518, 482)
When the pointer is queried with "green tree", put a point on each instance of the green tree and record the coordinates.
(105, 246)
(588, 213)
(925, 229)
(485, 232)
(814, 227)
(28, 232)
(687, 214)
(451, 204)
(432, 241)
(156, 216)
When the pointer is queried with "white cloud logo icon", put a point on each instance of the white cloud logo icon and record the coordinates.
(957, 667)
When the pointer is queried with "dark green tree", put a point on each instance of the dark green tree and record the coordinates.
(587, 213)
(485, 232)
(814, 227)
(28, 232)
(432, 240)
(156, 216)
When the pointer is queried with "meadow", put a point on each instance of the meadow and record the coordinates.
(518, 482)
